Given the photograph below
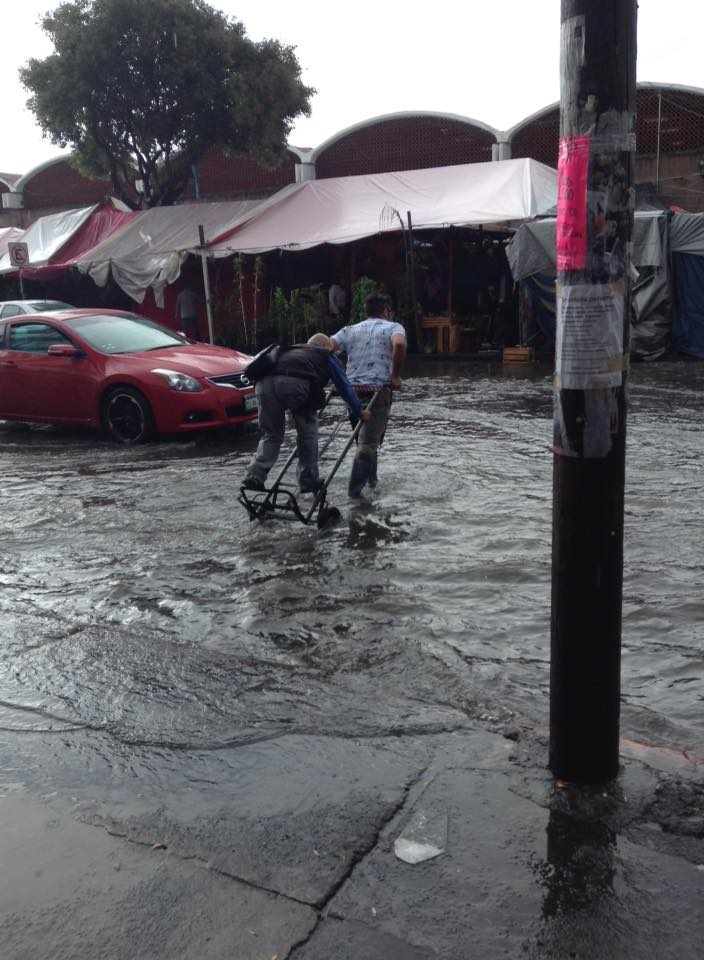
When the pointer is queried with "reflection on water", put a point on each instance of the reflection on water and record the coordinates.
(580, 853)
(137, 597)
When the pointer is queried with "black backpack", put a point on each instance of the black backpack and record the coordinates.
(263, 364)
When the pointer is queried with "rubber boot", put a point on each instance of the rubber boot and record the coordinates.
(373, 478)
(361, 472)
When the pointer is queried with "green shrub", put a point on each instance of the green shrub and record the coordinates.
(361, 289)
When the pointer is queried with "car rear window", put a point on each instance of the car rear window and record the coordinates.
(40, 305)
(131, 334)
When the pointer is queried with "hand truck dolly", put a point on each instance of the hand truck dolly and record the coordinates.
(281, 501)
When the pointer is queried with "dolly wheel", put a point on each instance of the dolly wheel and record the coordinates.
(327, 516)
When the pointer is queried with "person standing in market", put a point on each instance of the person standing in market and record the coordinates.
(376, 350)
(187, 306)
(297, 384)
(337, 300)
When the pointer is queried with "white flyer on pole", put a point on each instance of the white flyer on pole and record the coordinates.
(589, 349)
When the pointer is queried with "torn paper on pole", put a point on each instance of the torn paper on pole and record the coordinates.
(589, 346)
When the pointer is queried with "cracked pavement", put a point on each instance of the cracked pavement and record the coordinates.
(300, 864)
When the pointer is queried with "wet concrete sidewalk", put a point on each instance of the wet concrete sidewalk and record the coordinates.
(271, 871)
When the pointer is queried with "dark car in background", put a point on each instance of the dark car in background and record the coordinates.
(118, 371)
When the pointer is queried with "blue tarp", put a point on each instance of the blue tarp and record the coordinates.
(540, 288)
(688, 326)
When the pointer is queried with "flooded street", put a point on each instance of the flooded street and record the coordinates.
(133, 586)
(159, 650)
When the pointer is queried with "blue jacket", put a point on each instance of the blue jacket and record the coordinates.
(343, 386)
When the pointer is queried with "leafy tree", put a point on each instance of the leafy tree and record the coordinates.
(141, 89)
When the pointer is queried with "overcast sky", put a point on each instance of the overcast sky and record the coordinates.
(492, 60)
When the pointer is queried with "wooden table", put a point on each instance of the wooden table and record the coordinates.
(446, 334)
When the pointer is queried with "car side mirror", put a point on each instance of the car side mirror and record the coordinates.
(63, 350)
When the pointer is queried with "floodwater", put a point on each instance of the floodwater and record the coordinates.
(168, 665)
(138, 598)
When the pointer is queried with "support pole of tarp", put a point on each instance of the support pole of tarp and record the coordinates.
(450, 273)
(657, 155)
(593, 239)
(19, 275)
(353, 269)
(412, 283)
(206, 284)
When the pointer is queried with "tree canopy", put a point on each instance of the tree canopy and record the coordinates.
(141, 89)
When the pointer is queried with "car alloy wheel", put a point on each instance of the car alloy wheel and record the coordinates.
(127, 416)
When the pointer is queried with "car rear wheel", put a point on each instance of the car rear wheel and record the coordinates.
(127, 416)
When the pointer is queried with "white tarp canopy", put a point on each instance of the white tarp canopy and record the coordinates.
(149, 251)
(47, 235)
(343, 209)
(532, 249)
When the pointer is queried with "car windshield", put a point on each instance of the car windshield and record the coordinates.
(40, 305)
(131, 334)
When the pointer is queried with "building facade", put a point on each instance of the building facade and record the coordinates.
(669, 168)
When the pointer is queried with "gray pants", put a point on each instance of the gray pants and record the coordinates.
(371, 433)
(276, 395)
(364, 465)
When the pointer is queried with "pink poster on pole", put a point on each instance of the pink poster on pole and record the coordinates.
(572, 177)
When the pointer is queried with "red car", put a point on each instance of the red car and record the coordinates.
(118, 371)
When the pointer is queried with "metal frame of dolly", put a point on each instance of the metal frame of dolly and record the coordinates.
(278, 500)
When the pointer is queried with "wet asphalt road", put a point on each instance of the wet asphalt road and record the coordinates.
(162, 655)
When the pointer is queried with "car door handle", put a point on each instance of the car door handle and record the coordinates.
(7, 363)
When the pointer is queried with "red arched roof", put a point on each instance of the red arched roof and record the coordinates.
(404, 142)
(681, 123)
(57, 184)
(222, 177)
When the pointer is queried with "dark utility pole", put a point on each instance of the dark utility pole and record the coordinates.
(594, 226)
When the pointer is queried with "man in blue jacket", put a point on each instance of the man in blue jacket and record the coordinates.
(297, 384)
